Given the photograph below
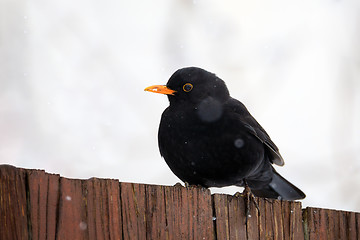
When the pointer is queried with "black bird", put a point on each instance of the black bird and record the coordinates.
(210, 139)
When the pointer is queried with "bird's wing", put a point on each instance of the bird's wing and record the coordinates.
(253, 127)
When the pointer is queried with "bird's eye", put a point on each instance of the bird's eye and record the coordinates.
(187, 87)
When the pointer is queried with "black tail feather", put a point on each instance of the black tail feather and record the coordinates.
(279, 188)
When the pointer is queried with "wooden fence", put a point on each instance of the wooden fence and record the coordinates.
(38, 205)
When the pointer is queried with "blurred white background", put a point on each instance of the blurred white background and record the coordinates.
(72, 75)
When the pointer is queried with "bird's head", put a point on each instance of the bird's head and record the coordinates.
(196, 90)
(192, 85)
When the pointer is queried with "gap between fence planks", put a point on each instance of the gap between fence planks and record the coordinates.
(38, 205)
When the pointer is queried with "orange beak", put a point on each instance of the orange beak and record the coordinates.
(160, 89)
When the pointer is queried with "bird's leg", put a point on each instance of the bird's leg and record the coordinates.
(178, 185)
(249, 196)
(188, 186)
(238, 194)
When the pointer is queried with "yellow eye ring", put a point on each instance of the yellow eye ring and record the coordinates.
(187, 87)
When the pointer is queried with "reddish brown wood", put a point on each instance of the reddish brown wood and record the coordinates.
(342, 225)
(43, 199)
(268, 211)
(188, 208)
(221, 216)
(38, 205)
(296, 220)
(72, 218)
(133, 210)
(155, 212)
(351, 220)
(89, 209)
(262, 219)
(160, 212)
(278, 220)
(286, 216)
(103, 209)
(13, 204)
(309, 227)
(323, 228)
(357, 220)
(330, 224)
(114, 209)
(252, 225)
(236, 206)
(332, 231)
(177, 221)
(200, 213)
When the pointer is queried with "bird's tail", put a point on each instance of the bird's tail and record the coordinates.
(279, 188)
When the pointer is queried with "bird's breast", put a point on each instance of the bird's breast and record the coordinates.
(206, 153)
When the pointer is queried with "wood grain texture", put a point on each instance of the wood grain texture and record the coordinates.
(133, 210)
(276, 219)
(188, 213)
(103, 209)
(43, 193)
(237, 226)
(221, 216)
(330, 224)
(14, 222)
(38, 205)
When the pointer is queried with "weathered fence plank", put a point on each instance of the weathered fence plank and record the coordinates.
(188, 209)
(237, 227)
(38, 205)
(43, 196)
(14, 222)
(133, 210)
(330, 224)
(276, 220)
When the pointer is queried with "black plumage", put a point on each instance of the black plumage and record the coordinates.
(210, 139)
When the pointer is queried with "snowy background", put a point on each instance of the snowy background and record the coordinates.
(72, 75)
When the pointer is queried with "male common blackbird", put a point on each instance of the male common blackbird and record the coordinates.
(210, 139)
